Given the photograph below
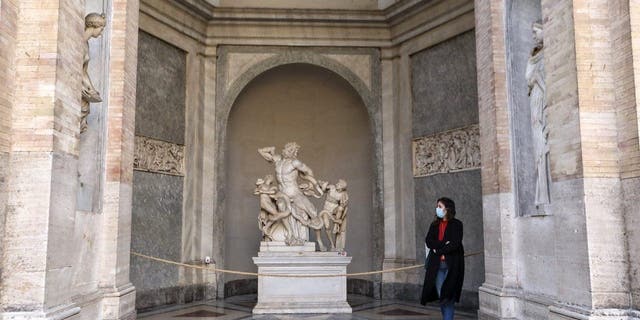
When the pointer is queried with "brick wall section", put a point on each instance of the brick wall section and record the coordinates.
(8, 20)
(634, 13)
(629, 123)
(605, 95)
(562, 91)
(34, 101)
(624, 79)
(492, 97)
(116, 237)
(596, 90)
(630, 113)
(44, 129)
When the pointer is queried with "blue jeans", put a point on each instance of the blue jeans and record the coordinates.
(446, 306)
(441, 276)
(447, 309)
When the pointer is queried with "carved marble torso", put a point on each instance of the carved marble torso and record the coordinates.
(287, 175)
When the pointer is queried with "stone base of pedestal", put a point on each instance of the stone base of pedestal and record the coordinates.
(300, 294)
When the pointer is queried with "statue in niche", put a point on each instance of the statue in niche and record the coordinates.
(537, 88)
(288, 204)
(94, 24)
(334, 213)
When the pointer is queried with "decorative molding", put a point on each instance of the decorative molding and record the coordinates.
(158, 156)
(360, 64)
(449, 151)
(240, 62)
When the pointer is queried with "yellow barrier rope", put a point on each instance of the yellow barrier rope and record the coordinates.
(286, 275)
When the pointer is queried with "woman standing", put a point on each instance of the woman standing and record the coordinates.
(445, 262)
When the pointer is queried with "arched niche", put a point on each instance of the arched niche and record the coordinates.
(228, 96)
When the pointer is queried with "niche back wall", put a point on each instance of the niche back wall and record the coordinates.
(158, 177)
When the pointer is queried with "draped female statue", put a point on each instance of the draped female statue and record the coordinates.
(94, 24)
(537, 89)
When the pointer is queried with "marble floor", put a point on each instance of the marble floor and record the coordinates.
(364, 308)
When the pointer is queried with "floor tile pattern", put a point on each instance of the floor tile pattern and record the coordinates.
(239, 307)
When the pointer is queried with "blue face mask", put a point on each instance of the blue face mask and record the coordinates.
(440, 213)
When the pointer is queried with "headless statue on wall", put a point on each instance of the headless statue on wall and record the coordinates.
(94, 24)
(286, 212)
(537, 88)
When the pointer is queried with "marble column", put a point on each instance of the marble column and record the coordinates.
(211, 236)
(399, 230)
(498, 299)
(198, 227)
(115, 242)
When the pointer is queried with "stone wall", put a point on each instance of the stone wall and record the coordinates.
(445, 98)
(158, 197)
(327, 118)
(40, 211)
(582, 266)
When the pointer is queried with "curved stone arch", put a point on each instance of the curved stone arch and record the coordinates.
(371, 98)
(230, 96)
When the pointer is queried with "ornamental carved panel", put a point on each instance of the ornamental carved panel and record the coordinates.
(158, 156)
(449, 151)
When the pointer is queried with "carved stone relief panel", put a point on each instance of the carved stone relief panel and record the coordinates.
(158, 156)
(449, 151)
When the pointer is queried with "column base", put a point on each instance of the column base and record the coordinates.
(564, 312)
(511, 304)
(120, 304)
(497, 303)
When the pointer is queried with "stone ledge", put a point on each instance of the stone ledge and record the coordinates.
(151, 299)
(70, 311)
(302, 307)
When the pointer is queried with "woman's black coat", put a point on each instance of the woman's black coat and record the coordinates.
(454, 257)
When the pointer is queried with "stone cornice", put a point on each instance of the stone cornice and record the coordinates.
(390, 27)
(395, 12)
(157, 10)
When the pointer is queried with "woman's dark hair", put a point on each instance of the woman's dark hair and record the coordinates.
(450, 206)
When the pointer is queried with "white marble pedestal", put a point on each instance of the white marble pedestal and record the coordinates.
(300, 294)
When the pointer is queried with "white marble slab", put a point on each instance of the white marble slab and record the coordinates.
(301, 293)
(280, 246)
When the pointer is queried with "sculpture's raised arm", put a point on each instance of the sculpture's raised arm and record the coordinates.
(268, 153)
